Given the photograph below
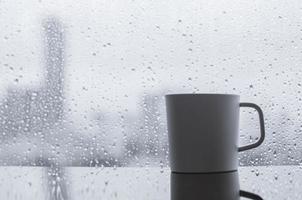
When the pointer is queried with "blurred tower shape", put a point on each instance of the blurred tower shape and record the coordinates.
(54, 72)
(53, 98)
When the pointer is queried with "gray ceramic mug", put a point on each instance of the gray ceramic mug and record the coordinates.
(203, 132)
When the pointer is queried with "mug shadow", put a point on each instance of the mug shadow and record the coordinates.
(208, 186)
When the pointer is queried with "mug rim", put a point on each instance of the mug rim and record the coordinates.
(201, 94)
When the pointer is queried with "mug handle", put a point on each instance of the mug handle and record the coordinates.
(262, 129)
(249, 195)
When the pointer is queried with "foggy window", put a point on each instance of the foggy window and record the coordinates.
(83, 82)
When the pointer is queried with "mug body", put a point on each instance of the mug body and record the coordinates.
(205, 186)
(203, 132)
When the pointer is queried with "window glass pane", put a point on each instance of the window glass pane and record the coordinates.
(82, 83)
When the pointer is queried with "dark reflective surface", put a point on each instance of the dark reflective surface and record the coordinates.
(212, 186)
(135, 183)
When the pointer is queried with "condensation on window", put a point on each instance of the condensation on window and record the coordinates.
(83, 83)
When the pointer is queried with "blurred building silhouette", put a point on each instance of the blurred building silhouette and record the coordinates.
(27, 111)
(150, 140)
(28, 115)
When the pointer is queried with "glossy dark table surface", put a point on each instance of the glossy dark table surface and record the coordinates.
(84, 183)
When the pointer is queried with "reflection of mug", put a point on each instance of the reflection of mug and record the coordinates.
(216, 186)
(203, 132)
